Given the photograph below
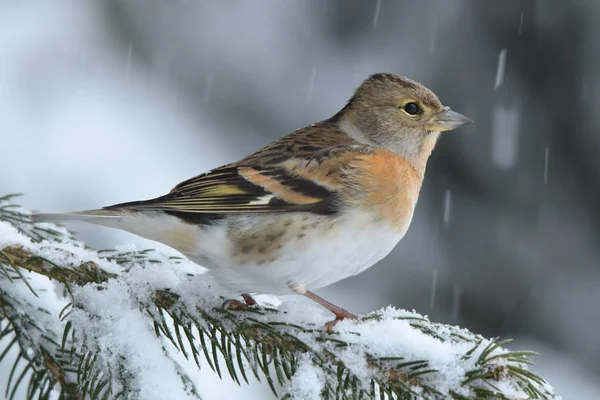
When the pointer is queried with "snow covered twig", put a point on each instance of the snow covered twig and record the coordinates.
(116, 323)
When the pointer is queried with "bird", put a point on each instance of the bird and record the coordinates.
(314, 207)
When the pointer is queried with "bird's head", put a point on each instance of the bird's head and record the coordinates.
(399, 114)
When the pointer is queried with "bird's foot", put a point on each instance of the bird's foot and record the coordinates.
(233, 304)
(340, 316)
(249, 300)
(339, 312)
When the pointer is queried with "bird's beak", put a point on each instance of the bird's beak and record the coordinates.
(446, 120)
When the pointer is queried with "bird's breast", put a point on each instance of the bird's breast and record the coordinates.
(386, 184)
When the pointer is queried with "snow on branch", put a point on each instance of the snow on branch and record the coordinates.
(115, 323)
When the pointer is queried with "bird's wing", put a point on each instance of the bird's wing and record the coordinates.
(308, 182)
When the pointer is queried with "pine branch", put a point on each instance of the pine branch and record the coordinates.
(285, 346)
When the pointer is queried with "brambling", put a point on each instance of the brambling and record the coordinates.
(319, 205)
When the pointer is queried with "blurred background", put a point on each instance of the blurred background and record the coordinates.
(110, 101)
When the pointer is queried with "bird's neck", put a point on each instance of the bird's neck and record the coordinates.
(350, 129)
(419, 161)
(416, 154)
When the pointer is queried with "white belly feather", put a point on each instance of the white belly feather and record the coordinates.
(324, 256)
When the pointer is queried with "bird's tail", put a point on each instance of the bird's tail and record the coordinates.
(153, 225)
(94, 216)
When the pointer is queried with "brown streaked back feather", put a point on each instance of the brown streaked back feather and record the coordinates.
(270, 180)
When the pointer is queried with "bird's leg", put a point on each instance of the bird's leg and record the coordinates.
(233, 304)
(339, 312)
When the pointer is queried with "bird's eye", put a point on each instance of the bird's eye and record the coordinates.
(411, 108)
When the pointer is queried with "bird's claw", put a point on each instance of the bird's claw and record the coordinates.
(233, 304)
(328, 328)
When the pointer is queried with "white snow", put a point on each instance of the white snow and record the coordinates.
(110, 318)
(505, 136)
(376, 16)
(128, 63)
(500, 69)
(447, 204)
(311, 85)
(307, 383)
(112, 321)
(10, 236)
(546, 159)
(433, 289)
(521, 24)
